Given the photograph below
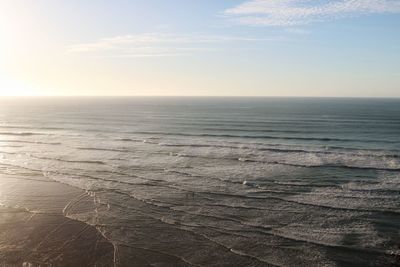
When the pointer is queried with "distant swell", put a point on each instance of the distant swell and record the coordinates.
(329, 166)
(102, 149)
(31, 142)
(70, 161)
(281, 150)
(325, 139)
(296, 164)
(21, 134)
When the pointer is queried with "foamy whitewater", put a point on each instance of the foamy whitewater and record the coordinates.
(217, 181)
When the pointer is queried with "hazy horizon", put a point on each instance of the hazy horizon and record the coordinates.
(195, 96)
(199, 96)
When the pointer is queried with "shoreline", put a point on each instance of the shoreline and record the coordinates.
(42, 235)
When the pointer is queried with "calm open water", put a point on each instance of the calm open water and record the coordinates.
(220, 181)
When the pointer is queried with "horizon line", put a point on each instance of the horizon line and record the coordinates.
(194, 96)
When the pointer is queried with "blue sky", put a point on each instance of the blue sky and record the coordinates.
(204, 47)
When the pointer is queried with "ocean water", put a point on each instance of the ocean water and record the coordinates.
(218, 181)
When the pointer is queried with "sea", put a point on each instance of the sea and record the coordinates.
(218, 181)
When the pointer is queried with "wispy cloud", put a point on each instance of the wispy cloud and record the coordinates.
(301, 12)
(157, 44)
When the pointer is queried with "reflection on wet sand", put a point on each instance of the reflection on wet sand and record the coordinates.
(42, 235)
(32, 239)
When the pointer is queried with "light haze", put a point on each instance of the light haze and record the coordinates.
(200, 48)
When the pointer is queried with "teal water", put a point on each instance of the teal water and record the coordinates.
(222, 181)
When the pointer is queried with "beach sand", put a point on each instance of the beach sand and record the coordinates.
(34, 230)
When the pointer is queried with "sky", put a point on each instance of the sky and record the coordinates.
(323, 48)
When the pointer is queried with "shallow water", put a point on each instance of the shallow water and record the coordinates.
(217, 181)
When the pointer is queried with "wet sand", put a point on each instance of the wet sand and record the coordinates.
(34, 229)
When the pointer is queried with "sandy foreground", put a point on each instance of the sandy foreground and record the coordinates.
(35, 231)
